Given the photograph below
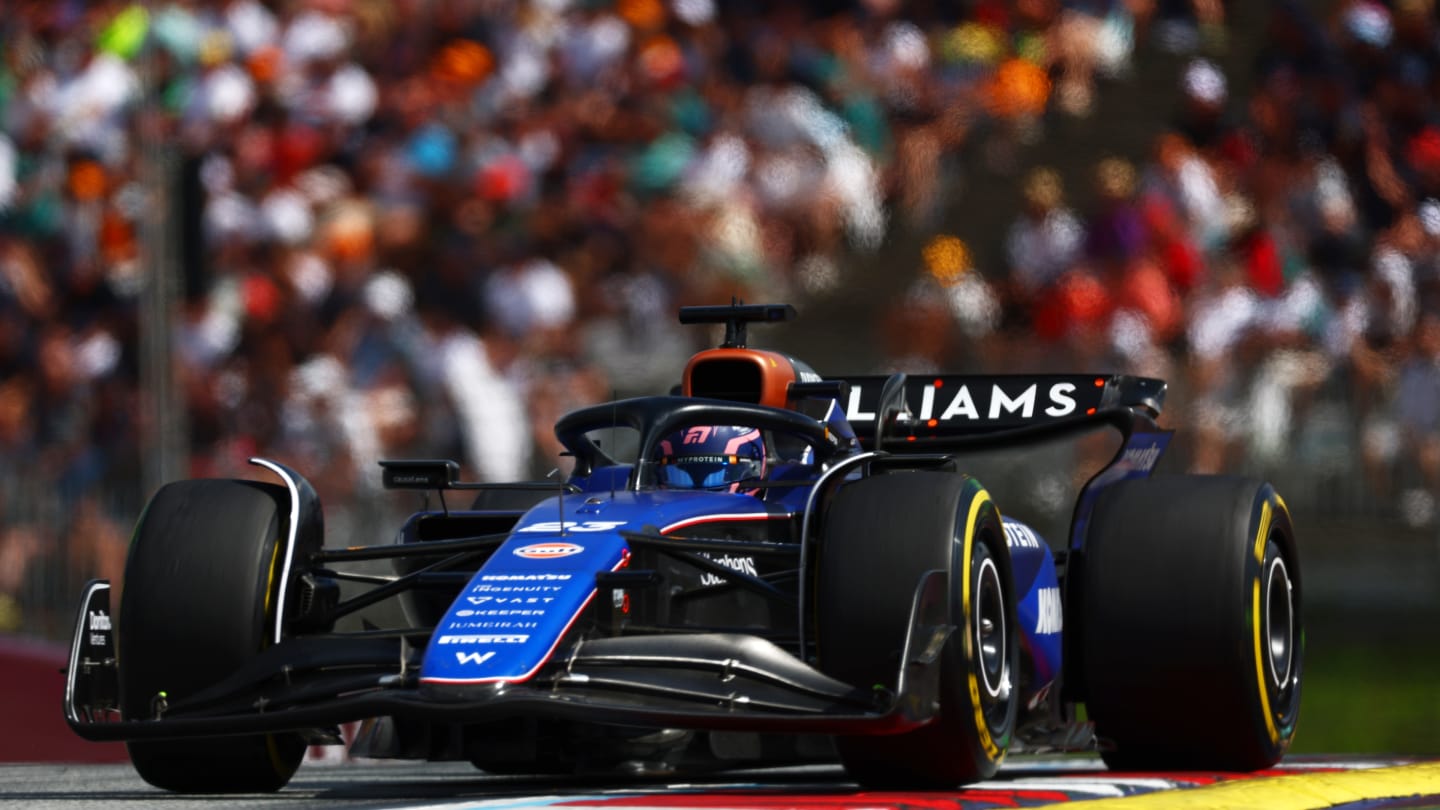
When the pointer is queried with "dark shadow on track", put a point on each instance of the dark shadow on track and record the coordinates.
(1023, 783)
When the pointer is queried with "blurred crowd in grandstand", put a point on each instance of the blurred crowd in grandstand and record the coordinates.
(421, 228)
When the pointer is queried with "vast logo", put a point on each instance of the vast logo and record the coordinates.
(548, 551)
(507, 600)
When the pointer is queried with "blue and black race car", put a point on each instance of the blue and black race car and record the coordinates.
(765, 565)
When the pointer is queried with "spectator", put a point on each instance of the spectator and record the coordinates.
(1044, 241)
(432, 232)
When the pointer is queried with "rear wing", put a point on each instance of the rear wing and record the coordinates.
(945, 411)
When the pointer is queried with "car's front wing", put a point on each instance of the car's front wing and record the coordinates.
(701, 681)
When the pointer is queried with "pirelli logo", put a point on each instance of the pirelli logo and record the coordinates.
(511, 638)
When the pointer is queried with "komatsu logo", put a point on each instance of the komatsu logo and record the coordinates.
(961, 403)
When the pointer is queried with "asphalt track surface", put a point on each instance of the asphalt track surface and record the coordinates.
(1299, 784)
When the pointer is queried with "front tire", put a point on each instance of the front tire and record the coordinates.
(200, 586)
(1193, 645)
(881, 535)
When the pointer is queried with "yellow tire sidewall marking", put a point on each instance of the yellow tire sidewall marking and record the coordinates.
(977, 502)
(1261, 537)
(270, 580)
(272, 748)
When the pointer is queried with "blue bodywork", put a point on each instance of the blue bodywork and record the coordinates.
(1037, 606)
(506, 622)
(517, 607)
(515, 610)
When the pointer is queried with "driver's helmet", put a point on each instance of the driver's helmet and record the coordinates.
(713, 457)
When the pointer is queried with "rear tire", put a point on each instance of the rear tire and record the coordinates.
(200, 583)
(1192, 640)
(881, 535)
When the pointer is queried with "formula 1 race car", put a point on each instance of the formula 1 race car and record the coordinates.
(762, 566)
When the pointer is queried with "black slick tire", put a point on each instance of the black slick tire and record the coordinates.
(880, 536)
(198, 601)
(1192, 645)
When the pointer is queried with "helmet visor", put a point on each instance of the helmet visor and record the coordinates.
(707, 471)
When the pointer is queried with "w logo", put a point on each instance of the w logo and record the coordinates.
(473, 657)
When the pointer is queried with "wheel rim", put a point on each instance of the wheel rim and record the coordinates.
(1279, 622)
(991, 637)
